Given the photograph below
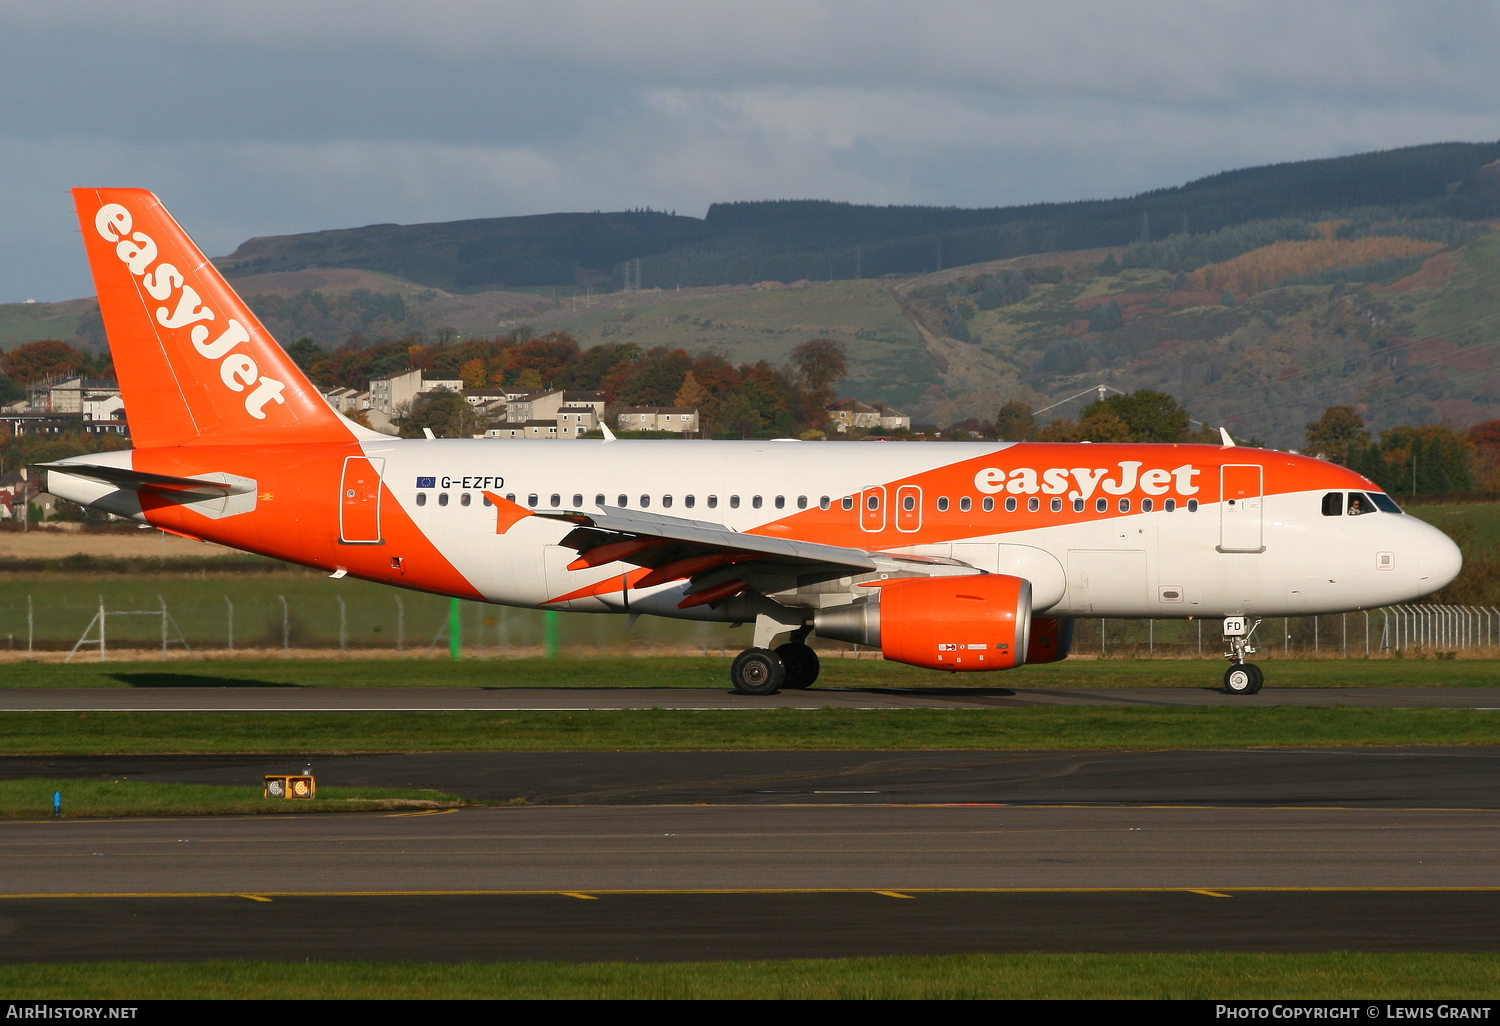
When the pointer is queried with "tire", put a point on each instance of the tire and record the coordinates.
(801, 664)
(1243, 679)
(757, 671)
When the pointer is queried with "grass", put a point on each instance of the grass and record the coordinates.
(31, 797)
(1209, 976)
(713, 672)
(1046, 727)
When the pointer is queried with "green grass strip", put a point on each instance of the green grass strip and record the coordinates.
(713, 672)
(1212, 976)
(1045, 727)
(32, 797)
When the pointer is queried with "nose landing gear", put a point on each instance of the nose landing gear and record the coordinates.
(1241, 678)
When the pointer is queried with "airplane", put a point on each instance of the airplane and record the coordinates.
(957, 557)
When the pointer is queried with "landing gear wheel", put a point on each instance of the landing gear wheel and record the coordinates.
(1243, 679)
(757, 671)
(801, 664)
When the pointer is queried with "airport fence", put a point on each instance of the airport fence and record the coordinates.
(309, 616)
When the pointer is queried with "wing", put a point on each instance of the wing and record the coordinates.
(719, 562)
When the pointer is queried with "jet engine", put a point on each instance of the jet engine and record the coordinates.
(965, 623)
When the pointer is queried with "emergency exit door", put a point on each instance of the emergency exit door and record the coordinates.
(1240, 504)
(359, 501)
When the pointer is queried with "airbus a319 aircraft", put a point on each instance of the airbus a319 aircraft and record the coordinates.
(956, 557)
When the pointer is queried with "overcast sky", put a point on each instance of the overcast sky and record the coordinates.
(264, 117)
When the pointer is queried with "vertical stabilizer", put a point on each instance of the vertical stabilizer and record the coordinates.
(194, 364)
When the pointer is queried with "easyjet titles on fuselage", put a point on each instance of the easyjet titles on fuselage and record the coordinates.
(138, 251)
(1123, 478)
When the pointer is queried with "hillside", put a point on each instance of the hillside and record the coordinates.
(789, 240)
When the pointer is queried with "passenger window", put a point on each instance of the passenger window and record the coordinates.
(1077, 505)
(463, 500)
(873, 502)
(530, 500)
(689, 501)
(965, 504)
(734, 502)
(598, 500)
(556, 500)
(1057, 505)
(1010, 504)
(421, 498)
(988, 504)
(577, 501)
(801, 502)
(1192, 505)
(645, 501)
(1033, 504)
(824, 502)
(909, 503)
(1170, 505)
(510, 497)
(485, 498)
(781, 502)
(713, 502)
(847, 502)
(1147, 505)
(1359, 504)
(942, 503)
(1124, 505)
(1101, 504)
(1333, 504)
(666, 502)
(443, 498)
(755, 501)
(624, 500)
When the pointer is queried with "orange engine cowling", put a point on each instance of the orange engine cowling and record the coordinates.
(1051, 639)
(963, 623)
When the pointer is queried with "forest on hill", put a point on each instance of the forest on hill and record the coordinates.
(791, 240)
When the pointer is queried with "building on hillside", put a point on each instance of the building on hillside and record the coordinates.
(347, 400)
(485, 396)
(526, 406)
(851, 413)
(104, 406)
(393, 394)
(658, 418)
(67, 396)
(570, 422)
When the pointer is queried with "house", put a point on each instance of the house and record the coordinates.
(392, 395)
(347, 400)
(657, 418)
(67, 396)
(851, 413)
(526, 406)
(103, 406)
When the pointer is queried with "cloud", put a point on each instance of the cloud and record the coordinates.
(264, 117)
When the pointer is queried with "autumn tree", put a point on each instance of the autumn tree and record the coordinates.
(1015, 422)
(1146, 416)
(820, 363)
(448, 415)
(306, 353)
(1339, 436)
(36, 361)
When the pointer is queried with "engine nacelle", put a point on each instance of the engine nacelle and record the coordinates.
(965, 623)
(1051, 639)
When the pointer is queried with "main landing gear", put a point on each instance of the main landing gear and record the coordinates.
(769, 667)
(761, 671)
(1241, 678)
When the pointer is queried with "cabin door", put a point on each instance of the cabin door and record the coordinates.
(1240, 505)
(359, 501)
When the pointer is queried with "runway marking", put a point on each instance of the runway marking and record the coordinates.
(909, 892)
(424, 812)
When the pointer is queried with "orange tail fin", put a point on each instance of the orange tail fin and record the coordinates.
(194, 364)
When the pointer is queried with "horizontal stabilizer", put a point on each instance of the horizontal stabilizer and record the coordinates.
(136, 480)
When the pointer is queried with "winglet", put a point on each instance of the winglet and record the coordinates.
(1228, 442)
(609, 436)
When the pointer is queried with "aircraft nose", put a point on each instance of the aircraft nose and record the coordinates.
(1438, 560)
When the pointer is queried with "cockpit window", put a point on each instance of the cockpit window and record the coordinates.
(1359, 504)
(1333, 504)
(1384, 502)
